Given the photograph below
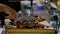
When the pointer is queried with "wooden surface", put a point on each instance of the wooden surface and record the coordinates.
(30, 31)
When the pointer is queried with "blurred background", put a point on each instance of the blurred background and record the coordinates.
(48, 9)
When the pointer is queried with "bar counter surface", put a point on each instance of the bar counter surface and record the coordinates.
(29, 31)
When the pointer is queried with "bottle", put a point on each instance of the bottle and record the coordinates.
(39, 6)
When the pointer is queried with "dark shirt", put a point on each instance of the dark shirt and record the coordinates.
(15, 5)
(55, 17)
(2, 15)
